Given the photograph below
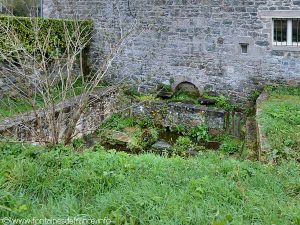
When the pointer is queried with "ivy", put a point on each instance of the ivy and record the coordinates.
(58, 34)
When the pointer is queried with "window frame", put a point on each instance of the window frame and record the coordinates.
(289, 33)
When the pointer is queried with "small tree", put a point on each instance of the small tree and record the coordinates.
(49, 68)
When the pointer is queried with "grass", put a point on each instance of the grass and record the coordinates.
(13, 106)
(182, 96)
(145, 189)
(10, 107)
(280, 119)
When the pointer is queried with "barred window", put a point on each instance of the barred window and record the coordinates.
(286, 32)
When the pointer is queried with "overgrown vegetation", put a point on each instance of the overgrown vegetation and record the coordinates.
(143, 133)
(14, 105)
(185, 97)
(145, 189)
(21, 7)
(280, 119)
(31, 32)
(231, 144)
(182, 145)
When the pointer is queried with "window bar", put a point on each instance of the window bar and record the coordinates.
(289, 37)
(286, 43)
(297, 32)
(280, 30)
(276, 36)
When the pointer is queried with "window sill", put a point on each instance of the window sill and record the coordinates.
(286, 48)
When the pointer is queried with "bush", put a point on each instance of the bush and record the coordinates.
(143, 138)
(30, 31)
(182, 145)
(200, 133)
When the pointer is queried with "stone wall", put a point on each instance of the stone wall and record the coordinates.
(173, 115)
(24, 127)
(198, 40)
(262, 140)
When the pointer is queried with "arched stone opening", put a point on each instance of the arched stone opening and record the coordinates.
(188, 85)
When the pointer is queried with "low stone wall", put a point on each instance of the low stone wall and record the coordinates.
(180, 114)
(24, 127)
(262, 141)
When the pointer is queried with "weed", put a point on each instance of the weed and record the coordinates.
(182, 145)
(131, 91)
(221, 102)
(199, 133)
(147, 98)
(182, 96)
(165, 87)
(231, 144)
(118, 122)
(145, 122)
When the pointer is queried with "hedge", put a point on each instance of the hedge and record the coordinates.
(29, 29)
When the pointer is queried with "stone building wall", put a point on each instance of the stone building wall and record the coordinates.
(196, 40)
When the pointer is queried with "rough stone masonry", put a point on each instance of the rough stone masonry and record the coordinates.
(196, 41)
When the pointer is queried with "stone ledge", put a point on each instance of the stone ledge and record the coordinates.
(279, 13)
(262, 141)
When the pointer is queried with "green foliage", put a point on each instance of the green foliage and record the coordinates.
(142, 139)
(22, 7)
(145, 122)
(182, 144)
(231, 144)
(136, 143)
(221, 102)
(180, 129)
(165, 87)
(131, 91)
(146, 98)
(118, 122)
(199, 133)
(183, 96)
(13, 105)
(31, 31)
(280, 119)
(224, 103)
(283, 90)
(146, 189)
(78, 144)
(254, 95)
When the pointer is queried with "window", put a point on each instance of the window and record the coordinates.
(244, 48)
(286, 32)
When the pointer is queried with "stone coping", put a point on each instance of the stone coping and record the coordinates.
(263, 144)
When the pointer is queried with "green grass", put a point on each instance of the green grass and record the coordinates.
(10, 107)
(280, 119)
(14, 106)
(182, 96)
(146, 189)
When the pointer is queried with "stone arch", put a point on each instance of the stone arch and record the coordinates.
(180, 80)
